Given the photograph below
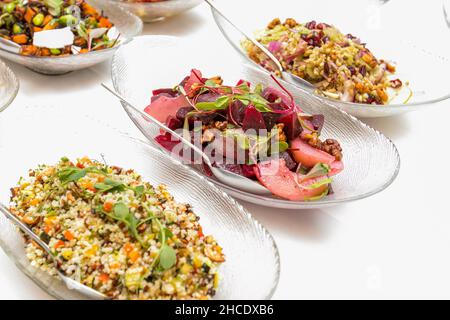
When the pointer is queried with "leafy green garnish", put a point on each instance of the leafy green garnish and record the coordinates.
(167, 257)
(73, 174)
(220, 104)
(109, 185)
(319, 170)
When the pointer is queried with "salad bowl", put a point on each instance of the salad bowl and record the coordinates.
(156, 10)
(9, 86)
(252, 266)
(127, 24)
(424, 84)
(365, 150)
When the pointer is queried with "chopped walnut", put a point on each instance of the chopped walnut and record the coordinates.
(275, 22)
(291, 22)
(221, 125)
(281, 135)
(329, 146)
(207, 136)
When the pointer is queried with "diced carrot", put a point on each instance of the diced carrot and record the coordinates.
(59, 244)
(128, 248)
(200, 232)
(104, 23)
(88, 185)
(382, 95)
(47, 229)
(108, 206)
(37, 29)
(45, 52)
(103, 277)
(49, 221)
(30, 220)
(34, 202)
(89, 10)
(51, 25)
(29, 14)
(100, 178)
(68, 235)
(70, 197)
(133, 256)
(390, 68)
(47, 19)
(20, 38)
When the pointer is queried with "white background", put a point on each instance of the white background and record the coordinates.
(392, 245)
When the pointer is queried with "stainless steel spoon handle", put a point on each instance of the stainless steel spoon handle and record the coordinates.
(162, 126)
(22, 226)
(249, 37)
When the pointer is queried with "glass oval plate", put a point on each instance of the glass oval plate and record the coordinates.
(9, 86)
(374, 24)
(127, 24)
(156, 11)
(371, 160)
(252, 267)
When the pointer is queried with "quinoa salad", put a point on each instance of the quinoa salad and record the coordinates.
(115, 233)
(340, 66)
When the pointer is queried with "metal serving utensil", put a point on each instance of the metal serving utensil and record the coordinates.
(225, 176)
(284, 74)
(70, 283)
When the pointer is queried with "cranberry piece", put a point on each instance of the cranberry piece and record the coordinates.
(311, 25)
(363, 70)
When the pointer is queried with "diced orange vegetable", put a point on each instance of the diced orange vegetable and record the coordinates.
(128, 248)
(390, 68)
(47, 229)
(45, 52)
(20, 38)
(103, 277)
(51, 25)
(59, 244)
(134, 256)
(29, 14)
(49, 221)
(47, 19)
(89, 10)
(70, 197)
(382, 94)
(88, 185)
(108, 206)
(68, 235)
(200, 232)
(37, 29)
(34, 202)
(104, 23)
(29, 219)
(80, 165)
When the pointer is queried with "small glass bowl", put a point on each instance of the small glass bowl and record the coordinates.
(9, 86)
(371, 160)
(253, 265)
(128, 26)
(160, 10)
(425, 68)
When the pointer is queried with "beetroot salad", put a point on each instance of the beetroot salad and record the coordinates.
(254, 131)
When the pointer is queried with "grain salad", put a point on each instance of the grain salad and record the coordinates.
(340, 66)
(115, 233)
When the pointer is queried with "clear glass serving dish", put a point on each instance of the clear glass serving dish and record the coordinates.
(158, 10)
(371, 160)
(400, 38)
(9, 86)
(252, 267)
(128, 26)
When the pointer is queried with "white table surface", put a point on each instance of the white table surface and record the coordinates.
(392, 245)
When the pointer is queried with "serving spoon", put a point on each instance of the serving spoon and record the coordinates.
(224, 176)
(69, 282)
(284, 74)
